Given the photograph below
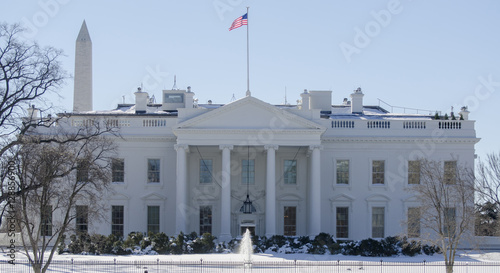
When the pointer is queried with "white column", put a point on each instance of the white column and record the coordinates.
(181, 217)
(315, 191)
(271, 190)
(225, 211)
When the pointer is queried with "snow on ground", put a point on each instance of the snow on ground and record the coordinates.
(469, 256)
(264, 262)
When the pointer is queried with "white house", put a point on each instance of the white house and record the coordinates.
(307, 168)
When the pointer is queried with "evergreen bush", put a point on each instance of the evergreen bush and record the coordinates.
(323, 243)
(410, 248)
(160, 242)
(177, 245)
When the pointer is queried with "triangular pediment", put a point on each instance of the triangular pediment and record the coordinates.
(154, 196)
(249, 113)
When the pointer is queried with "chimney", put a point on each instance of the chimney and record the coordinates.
(32, 113)
(321, 100)
(189, 98)
(305, 100)
(141, 101)
(357, 101)
(464, 113)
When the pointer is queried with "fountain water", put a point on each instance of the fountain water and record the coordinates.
(246, 248)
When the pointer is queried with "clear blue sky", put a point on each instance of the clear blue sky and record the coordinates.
(418, 54)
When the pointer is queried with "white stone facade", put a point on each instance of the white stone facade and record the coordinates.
(310, 168)
(316, 140)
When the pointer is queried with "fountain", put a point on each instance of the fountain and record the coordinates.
(246, 248)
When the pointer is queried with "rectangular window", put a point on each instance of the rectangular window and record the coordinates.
(205, 219)
(82, 171)
(153, 219)
(342, 222)
(174, 98)
(290, 174)
(413, 222)
(343, 172)
(248, 171)
(290, 221)
(118, 170)
(117, 217)
(205, 171)
(450, 172)
(378, 222)
(46, 220)
(82, 219)
(414, 172)
(378, 172)
(153, 170)
(449, 222)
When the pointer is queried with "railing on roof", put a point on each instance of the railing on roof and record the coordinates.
(405, 109)
(343, 124)
(400, 124)
(121, 122)
(414, 125)
(154, 123)
(378, 124)
(118, 122)
(450, 125)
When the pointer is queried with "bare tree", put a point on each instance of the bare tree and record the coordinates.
(446, 213)
(27, 73)
(61, 175)
(488, 179)
(47, 152)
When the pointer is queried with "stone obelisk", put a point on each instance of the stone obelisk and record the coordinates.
(82, 99)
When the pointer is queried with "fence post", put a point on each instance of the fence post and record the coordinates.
(114, 262)
(157, 265)
(72, 267)
(338, 266)
(424, 266)
(381, 265)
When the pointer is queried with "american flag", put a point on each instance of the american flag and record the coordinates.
(240, 21)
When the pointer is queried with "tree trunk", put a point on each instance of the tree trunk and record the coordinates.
(449, 268)
(37, 267)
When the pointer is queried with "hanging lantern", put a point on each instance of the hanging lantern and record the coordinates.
(247, 207)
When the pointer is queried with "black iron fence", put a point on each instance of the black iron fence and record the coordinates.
(156, 266)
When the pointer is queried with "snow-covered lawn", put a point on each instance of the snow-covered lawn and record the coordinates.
(469, 262)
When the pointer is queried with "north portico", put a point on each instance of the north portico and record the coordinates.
(248, 133)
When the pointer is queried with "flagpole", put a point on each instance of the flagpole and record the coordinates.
(248, 59)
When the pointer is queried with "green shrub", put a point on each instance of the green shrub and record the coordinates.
(410, 248)
(276, 240)
(370, 248)
(321, 243)
(390, 246)
(177, 246)
(430, 250)
(61, 248)
(160, 242)
(133, 239)
(191, 236)
(204, 244)
(75, 245)
(350, 248)
(101, 243)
